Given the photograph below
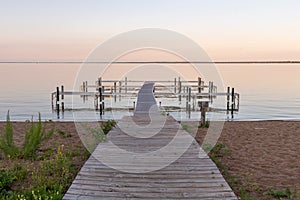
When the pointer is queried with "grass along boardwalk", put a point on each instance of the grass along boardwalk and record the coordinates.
(161, 161)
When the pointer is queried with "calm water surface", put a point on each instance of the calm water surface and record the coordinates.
(268, 92)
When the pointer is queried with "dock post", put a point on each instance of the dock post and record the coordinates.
(83, 90)
(96, 103)
(210, 88)
(228, 98)
(52, 98)
(134, 106)
(189, 94)
(125, 84)
(199, 85)
(99, 81)
(232, 100)
(100, 100)
(238, 102)
(120, 90)
(189, 110)
(179, 85)
(175, 85)
(62, 99)
(194, 100)
(103, 91)
(204, 108)
(179, 89)
(189, 91)
(115, 91)
(86, 89)
(57, 99)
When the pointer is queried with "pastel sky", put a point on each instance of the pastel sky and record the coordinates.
(226, 29)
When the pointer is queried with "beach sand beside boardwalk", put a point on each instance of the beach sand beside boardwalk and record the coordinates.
(263, 154)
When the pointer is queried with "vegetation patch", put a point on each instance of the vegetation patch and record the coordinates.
(46, 162)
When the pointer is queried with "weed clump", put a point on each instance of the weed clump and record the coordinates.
(33, 138)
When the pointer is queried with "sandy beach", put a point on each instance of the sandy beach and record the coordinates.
(264, 155)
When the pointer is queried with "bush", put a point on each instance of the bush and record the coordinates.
(6, 179)
(33, 138)
(107, 126)
(7, 145)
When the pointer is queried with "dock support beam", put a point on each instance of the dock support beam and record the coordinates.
(204, 108)
(199, 85)
(228, 98)
(62, 99)
(232, 100)
(125, 84)
(57, 101)
(175, 85)
(115, 91)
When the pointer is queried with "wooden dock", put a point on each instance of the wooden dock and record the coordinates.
(193, 93)
(136, 176)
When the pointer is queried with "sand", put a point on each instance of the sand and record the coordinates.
(265, 154)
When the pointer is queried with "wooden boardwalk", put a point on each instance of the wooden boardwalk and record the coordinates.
(161, 161)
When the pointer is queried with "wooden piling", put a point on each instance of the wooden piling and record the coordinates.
(100, 81)
(232, 100)
(175, 85)
(62, 99)
(103, 105)
(199, 85)
(179, 89)
(194, 102)
(203, 108)
(179, 85)
(83, 90)
(120, 90)
(189, 110)
(115, 91)
(100, 100)
(52, 98)
(57, 99)
(189, 94)
(125, 84)
(228, 98)
(96, 103)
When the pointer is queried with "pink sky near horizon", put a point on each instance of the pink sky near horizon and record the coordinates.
(227, 30)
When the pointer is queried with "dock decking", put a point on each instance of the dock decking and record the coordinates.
(161, 161)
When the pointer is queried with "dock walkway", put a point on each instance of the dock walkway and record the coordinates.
(149, 156)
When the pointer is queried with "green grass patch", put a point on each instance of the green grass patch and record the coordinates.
(33, 138)
(43, 173)
(287, 193)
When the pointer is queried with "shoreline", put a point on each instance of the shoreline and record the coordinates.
(192, 121)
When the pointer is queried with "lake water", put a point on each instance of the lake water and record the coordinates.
(268, 92)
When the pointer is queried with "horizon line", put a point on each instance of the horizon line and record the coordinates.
(155, 62)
